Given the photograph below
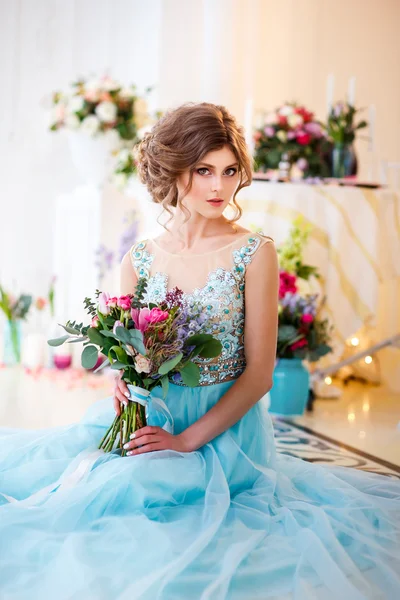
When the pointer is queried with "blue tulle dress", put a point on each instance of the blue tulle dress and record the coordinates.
(232, 520)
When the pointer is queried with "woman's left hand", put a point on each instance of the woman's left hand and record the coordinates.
(151, 439)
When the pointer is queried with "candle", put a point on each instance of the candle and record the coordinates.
(62, 361)
(372, 115)
(351, 91)
(330, 83)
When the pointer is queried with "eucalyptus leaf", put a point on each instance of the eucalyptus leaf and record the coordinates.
(107, 333)
(89, 357)
(170, 364)
(212, 349)
(165, 386)
(116, 365)
(198, 338)
(77, 339)
(72, 330)
(286, 333)
(190, 374)
(102, 366)
(95, 336)
(58, 341)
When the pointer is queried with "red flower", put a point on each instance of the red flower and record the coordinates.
(287, 283)
(307, 318)
(299, 344)
(306, 114)
(282, 120)
(303, 139)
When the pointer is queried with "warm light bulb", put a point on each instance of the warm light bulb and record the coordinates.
(355, 341)
(365, 407)
(351, 417)
(328, 380)
(368, 360)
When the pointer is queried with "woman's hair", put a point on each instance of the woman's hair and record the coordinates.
(179, 140)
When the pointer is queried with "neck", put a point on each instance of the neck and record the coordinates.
(197, 228)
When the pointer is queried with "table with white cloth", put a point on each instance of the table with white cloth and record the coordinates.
(354, 243)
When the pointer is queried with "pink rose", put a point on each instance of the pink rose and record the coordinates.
(299, 344)
(95, 322)
(303, 138)
(307, 318)
(269, 131)
(112, 302)
(139, 318)
(156, 315)
(287, 283)
(124, 302)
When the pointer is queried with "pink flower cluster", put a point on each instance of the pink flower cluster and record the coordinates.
(144, 317)
(287, 283)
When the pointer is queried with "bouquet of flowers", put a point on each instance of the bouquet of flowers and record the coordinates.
(301, 334)
(15, 309)
(150, 344)
(125, 167)
(98, 105)
(340, 127)
(294, 131)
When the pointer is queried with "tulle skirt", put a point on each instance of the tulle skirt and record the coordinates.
(232, 520)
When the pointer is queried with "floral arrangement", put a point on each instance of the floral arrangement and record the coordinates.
(15, 309)
(125, 167)
(340, 127)
(301, 333)
(96, 106)
(149, 343)
(292, 130)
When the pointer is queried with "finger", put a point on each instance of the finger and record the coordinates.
(145, 439)
(144, 431)
(117, 406)
(143, 449)
(120, 396)
(122, 386)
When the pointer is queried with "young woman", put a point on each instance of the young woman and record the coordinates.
(207, 510)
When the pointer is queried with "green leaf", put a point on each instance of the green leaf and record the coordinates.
(286, 333)
(89, 357)
(190, 374)
(198, 338)
(72, 330)
(107, 333)
(58, 341)
(133, 337)
(212, 349)
(95, 336)
(117, 365)
(120, 354)
(165, 385)
(168, 365)
(77, 339)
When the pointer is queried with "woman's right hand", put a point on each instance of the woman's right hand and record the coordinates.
(121, 393)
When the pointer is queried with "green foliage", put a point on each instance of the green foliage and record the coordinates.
(190, 374)
(140, 291)
(170, 364)
(89, 357)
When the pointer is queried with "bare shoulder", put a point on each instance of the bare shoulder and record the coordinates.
(265, 260)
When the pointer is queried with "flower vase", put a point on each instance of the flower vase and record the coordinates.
(291, 382)
(343, 161)
(12, 342)
(92, 155)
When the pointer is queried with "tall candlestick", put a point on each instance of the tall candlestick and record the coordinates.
(330, 83)
(351, 91)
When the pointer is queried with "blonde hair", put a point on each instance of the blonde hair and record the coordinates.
(179, 140)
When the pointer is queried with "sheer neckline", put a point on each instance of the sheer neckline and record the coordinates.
(202, 253)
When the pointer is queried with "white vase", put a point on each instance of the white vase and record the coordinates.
(92, 155)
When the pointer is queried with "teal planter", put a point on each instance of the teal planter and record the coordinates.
(12, 342)
(289, 393)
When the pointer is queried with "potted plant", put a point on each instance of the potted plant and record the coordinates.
(341, 131)
(293, 132)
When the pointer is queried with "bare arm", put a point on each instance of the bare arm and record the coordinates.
(261, 325)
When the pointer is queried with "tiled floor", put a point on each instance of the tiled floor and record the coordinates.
(358, 430)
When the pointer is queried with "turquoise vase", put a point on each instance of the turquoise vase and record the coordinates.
(12, 342)
(290, 390)
(343, 161)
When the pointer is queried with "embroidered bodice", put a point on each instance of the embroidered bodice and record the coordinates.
(215, 279)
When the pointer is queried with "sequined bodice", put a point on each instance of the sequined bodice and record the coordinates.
(222, 297)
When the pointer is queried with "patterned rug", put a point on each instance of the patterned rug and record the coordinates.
(302, 442)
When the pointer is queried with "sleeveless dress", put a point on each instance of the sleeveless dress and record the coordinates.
(232, 520)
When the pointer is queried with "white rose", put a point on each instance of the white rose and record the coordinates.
(106, 111)
(295, 120)
(127, 92)
(123, 155)
(90, 125)
(281, 135)
(76, 104)
(142, 364)
(271, 119)
(141, 113)
(286, 110)
(120, 180)
(72, 122)
(109, 84)
(93, 85)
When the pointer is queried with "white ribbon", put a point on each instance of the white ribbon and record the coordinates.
(87, 459)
